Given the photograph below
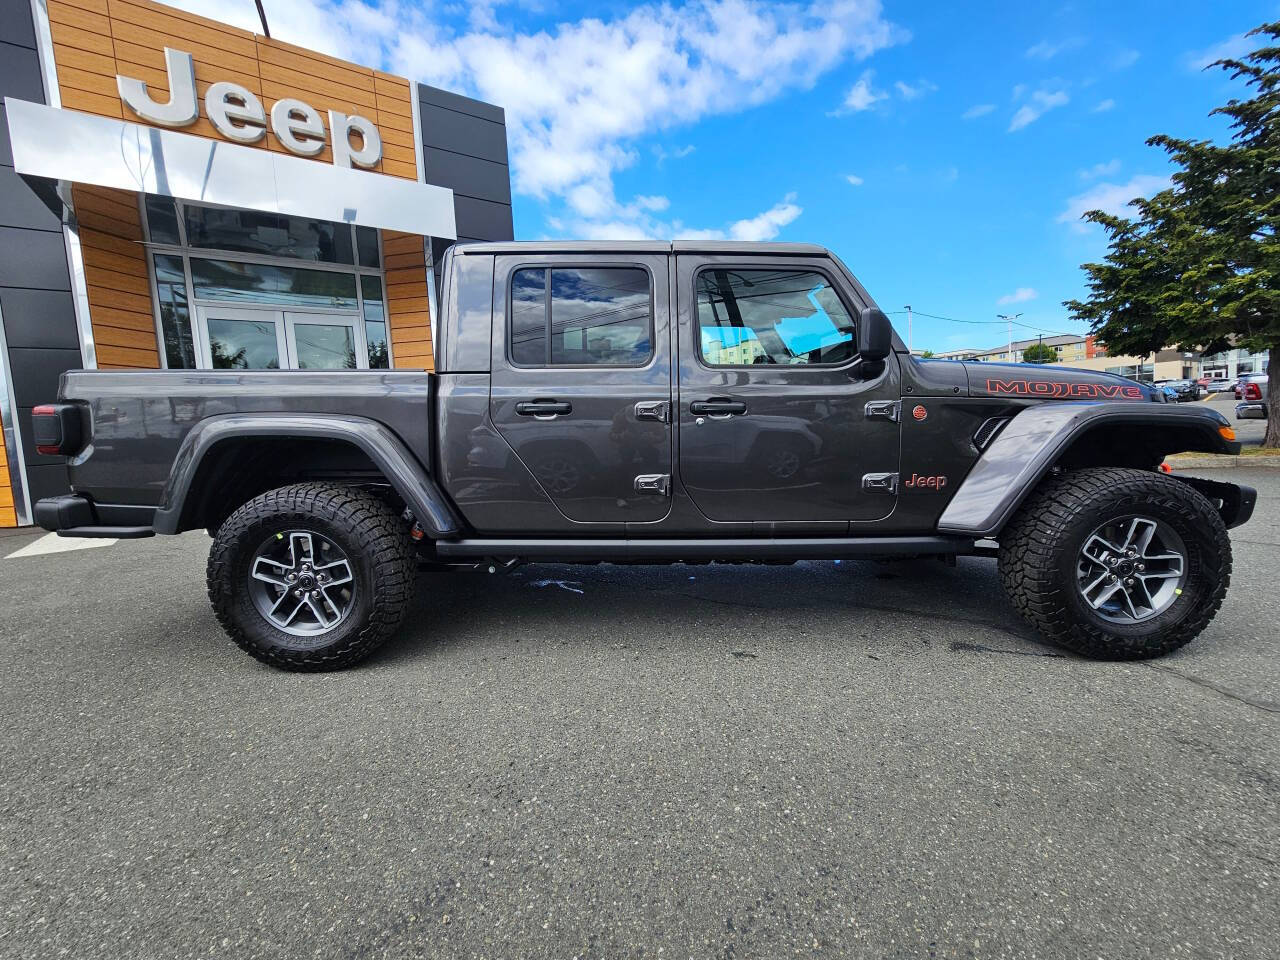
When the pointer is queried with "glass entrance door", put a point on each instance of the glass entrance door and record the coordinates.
(325, 342)
(243, 338)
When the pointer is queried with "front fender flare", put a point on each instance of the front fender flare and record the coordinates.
(387, 451)
(1016, 461)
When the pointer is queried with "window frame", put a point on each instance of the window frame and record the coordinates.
(187, 253)
(547, 266)
(806, 267)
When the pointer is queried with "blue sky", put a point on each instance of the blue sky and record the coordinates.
(943, 150)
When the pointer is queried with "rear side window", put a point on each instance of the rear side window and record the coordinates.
(771, 316)
(580, 316)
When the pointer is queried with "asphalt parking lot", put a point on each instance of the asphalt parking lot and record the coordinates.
(827, 759)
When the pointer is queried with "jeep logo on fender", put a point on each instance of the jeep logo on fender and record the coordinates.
(237, 114)
(1059, 390)
(930, 483)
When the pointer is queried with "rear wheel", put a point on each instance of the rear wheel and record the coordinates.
(1116, 564)
(312, 576)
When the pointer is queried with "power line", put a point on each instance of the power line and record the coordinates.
(1017, 323)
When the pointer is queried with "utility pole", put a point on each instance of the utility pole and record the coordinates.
(908, 329)
(1009, 319)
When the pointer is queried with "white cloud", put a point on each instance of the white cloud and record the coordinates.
(579, 96)
(1103, 106)
(862, 96)
(1124, 59)
(1100, 170)
(977, 110)
(1113, 198)
(908, 92)
(1044, 50)
(1233, 48)
(1021, 295)
(767, 225)
(854, 179)
(1041, 103)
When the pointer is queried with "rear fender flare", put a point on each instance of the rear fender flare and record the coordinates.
(1020, 456)
(387, 451)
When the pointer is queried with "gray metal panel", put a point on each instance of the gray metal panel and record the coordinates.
(468, 176)
(35, 371)
(483, 217)
(20, 72)
(47, 480)
(34, 259)
(15, 23)
(20, 206)
(463, 133)
(435, 97)
(6, 152)
(39, 318)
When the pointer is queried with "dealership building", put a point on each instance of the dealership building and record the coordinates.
(178, 193)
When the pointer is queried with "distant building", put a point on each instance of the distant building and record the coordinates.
(1068, 347)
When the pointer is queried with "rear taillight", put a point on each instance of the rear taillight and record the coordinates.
(1252, 391)
(57, 429)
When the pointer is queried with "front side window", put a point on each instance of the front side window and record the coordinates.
(579, 316)
(771, 316)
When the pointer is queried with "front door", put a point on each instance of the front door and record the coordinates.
(773, 411)
(250, 338)
(580, 388)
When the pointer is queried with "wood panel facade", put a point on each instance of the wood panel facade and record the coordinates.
(8, 516)
(94, 40)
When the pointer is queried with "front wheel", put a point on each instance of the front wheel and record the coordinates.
(1116, 564)
(312, 576)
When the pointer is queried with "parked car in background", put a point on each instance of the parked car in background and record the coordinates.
(1217, 385)
(1179, 391)
(1253, 398)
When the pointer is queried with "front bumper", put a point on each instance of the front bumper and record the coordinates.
(75, 515)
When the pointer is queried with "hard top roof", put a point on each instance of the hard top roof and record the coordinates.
(643, 246)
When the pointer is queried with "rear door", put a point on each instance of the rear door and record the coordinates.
(776, 422)
(580, 388)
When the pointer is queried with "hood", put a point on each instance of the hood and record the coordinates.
(1041, 381)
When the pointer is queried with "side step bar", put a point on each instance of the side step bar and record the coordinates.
(749, 548)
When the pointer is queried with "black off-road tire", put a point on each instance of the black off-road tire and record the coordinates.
(376, 542)
(1039, 551)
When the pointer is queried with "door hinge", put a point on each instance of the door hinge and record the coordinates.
(880, 482)
(883, 410)
(659, 410)
(659, 483)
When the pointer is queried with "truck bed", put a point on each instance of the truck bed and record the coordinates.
(139, 418)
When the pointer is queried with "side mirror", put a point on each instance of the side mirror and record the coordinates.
(875, 335)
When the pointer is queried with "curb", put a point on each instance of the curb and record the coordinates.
(1216, 461)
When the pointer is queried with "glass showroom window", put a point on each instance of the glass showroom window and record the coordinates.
(311, 283)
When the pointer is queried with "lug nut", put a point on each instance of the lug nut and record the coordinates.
(1114, 561)
(1128, 582)
(1111, 578)
(297, 593)
(1142, 566)
(292, 577)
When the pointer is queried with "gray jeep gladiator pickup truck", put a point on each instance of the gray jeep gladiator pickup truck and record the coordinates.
(651, 403)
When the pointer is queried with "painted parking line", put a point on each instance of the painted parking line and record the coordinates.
(52, 543)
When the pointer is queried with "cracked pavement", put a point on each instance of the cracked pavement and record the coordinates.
(689, 761)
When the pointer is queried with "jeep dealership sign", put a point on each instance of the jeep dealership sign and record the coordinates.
(237, 114)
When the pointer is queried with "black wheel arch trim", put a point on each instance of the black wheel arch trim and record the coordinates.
(1027, 448)
(380, 444)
